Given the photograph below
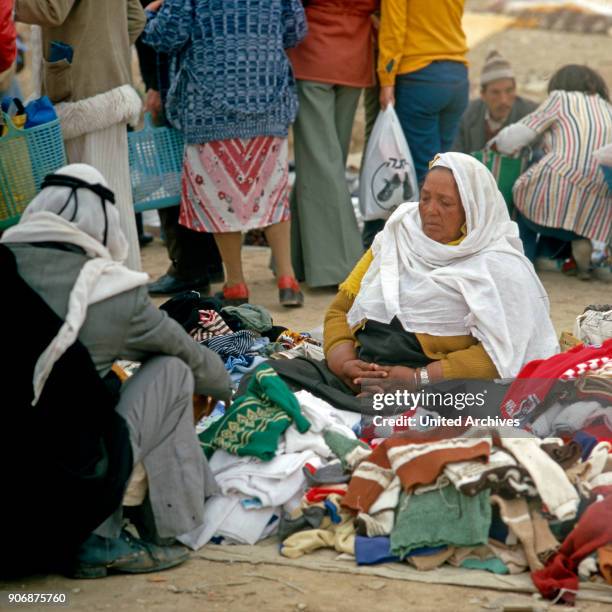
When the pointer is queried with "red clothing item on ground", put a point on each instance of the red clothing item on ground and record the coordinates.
(8, 35)
(593, 530)
(600, 431)
(339, 46)
(319, 494)
(538, 377)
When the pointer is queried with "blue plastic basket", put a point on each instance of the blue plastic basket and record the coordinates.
(607, 171)
(26, 157)
(156, 161)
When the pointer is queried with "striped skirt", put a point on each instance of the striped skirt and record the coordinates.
(235, 185)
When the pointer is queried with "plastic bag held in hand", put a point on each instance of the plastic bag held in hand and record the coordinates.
(388, 177)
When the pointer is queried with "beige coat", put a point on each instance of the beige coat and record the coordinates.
(100, 33)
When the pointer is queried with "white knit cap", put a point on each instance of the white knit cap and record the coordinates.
(495, 68)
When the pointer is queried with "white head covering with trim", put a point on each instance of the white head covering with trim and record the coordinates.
(484, 286)
(102, 277)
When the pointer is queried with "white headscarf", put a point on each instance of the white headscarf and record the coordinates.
(102, 277)
(484, 286)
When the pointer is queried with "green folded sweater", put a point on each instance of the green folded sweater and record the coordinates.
(440, 517)
(255, 421)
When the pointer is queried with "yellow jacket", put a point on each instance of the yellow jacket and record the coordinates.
(415, 33)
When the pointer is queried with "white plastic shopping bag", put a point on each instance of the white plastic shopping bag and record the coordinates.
(388, 177)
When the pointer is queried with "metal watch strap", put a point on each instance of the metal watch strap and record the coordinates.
(424, 376)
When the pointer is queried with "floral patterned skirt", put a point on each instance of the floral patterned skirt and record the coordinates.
(235, 185)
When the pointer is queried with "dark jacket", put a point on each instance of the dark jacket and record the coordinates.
(472, 133)
(153, 65)
(64, 463)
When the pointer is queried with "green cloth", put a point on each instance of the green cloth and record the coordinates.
(440, 517)
(341, 446)
(255, 318)
(495, 565)
(255, 421)
(325, 238)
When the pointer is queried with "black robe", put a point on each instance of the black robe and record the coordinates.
(65, 462)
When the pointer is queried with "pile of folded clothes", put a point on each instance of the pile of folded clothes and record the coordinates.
(263, 452)
(506, 500)
(496, 500)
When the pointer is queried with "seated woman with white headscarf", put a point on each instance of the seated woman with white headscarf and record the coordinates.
(69, 249)
(444, 293)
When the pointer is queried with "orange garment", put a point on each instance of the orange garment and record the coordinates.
(415, 33)
(338, 48)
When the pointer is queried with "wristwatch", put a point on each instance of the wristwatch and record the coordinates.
(424, 377)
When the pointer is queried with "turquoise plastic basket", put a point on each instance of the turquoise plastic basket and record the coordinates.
(156, 161)
(26, 157)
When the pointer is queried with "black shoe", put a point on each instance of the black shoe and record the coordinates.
(126, 555)
(289, 293)
(384, 195)
(145, 239)
(169, 285)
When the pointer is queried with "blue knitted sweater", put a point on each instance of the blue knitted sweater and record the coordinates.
(231, 77)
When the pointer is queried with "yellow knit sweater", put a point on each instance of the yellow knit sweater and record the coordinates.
(415, 33)
(460, 356)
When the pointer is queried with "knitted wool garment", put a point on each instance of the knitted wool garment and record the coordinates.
(256, 420)
(439, 517)
(342, 446)
(250, 316)
(230, 76)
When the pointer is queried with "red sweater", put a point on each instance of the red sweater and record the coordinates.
(339, 46)
(8, 35)
(593, 530)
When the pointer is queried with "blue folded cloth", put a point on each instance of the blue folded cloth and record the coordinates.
(587, 443)
(370, 551)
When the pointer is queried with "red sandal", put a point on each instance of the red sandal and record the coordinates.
(289, 293)
(234, 295)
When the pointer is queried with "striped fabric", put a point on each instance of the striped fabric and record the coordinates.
(232, 344)
(210, 324)
(416, 461)
(566, 189)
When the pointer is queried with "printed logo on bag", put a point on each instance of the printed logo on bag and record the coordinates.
(390, 184)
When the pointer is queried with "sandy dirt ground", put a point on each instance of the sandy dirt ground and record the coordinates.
(204, 585)
(240, 587)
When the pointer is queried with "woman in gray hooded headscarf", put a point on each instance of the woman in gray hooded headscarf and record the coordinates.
(69, 249)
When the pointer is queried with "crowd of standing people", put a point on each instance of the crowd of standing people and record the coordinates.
(235, 76)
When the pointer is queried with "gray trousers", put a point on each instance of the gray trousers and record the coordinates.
(157, 404)
(325, 241)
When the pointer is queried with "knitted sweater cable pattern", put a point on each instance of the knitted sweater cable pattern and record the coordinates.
(230, 75)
